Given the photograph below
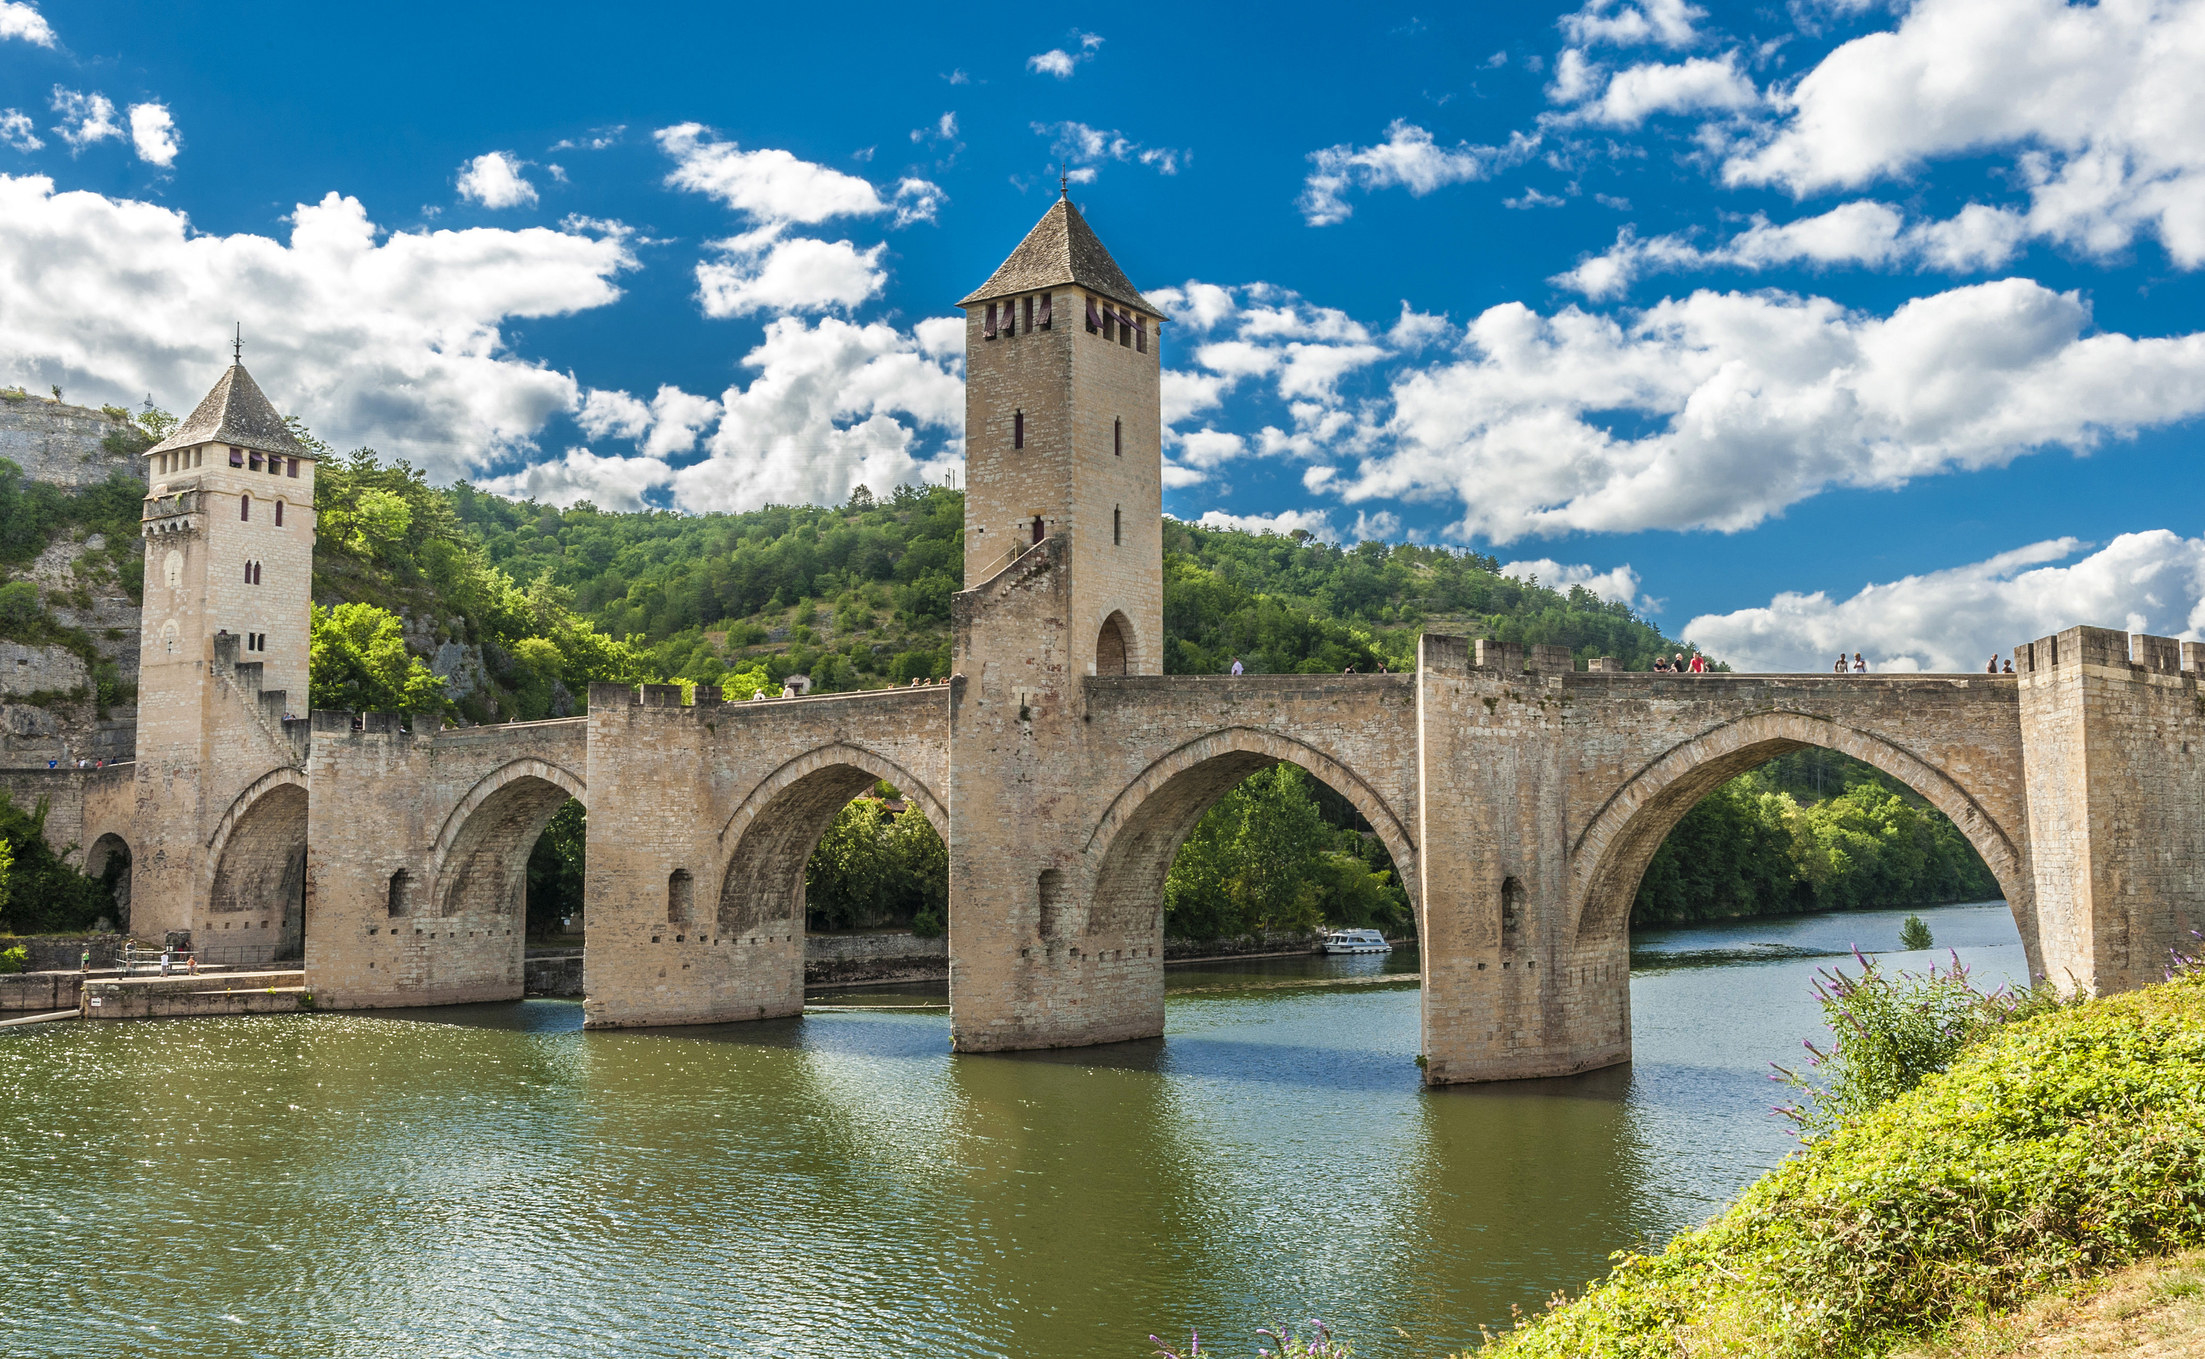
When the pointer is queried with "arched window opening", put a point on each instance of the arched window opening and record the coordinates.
(1018, 429)
(1512, 909)
(245, 507)
(1040, 529)
(681, 897)
(400, 900)
(1110, 647)
(279, 514)
(248, 573)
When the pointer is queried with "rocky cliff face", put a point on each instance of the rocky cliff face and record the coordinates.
(47, 711)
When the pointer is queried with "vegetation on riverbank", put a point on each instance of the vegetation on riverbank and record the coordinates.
(40, 892)
(2051, 1150)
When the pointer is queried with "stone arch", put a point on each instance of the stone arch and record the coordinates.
(256, 863)
(479, 862)
(1144, 827)
(1610, 856)
(772, 834)
(1114, 645)
(109, 860)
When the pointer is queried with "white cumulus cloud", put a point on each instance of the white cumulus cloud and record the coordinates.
(393, 340)
(1667, 22)
(1061, 63)
(577, 475)
(831, 406)
(1863, 232)
(1738, 405)
(1409, 158)
(85, 118)
(494, 180)
(1316, 523)
(772, 185)
(763, 271)
(153, 133)
(1619, 584)
(2099, 106)
(17, 130)
(1955, 620)
(19, 20)
(1636, 93)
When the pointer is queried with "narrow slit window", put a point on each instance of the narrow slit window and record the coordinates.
(244, 507)
(1117, 438)
(279, 514)
(1117, 526)
(248, 573)
(1018, 429)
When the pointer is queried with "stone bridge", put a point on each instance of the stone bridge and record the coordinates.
(1521, 797)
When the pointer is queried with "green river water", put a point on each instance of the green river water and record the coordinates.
(491, 1180)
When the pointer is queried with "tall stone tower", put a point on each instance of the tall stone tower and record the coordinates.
(1063, 599)
(1064, 435)
(229, 564)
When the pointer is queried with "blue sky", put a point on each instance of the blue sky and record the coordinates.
(1813, 325)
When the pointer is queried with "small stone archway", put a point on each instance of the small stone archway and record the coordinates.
(256, 873)
(1114, 645)
(478, 864)
(1141, 832)
(770, 837)
(108, 859)
(1609, 857)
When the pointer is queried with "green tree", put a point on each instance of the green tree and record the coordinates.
(45, 893)
(1251, 863)
(357, 661)
(555, 868)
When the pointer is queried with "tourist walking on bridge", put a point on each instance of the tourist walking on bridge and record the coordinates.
(1860, 667)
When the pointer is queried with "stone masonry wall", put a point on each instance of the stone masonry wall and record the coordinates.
(733, 798)
(418, 849)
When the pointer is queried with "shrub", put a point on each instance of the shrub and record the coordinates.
(14, 959)
(1888, 1033)
(1914, 935)
(2054, 1148)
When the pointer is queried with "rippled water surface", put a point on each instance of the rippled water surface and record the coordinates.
(492, 1180)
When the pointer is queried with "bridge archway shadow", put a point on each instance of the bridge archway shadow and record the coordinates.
(1612, 854)
(108, 859)
(481, 856)
(256, 908)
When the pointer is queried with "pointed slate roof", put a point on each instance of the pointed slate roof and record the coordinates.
(1061, 248)
(235, 412)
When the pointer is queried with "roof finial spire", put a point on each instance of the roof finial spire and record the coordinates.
(1064, 181)
(237, 346)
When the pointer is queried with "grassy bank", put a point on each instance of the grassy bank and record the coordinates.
(2056, 1149)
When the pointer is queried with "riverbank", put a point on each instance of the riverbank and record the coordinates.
(2055, 1150)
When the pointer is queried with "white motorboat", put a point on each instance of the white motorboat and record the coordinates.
(1356, 941)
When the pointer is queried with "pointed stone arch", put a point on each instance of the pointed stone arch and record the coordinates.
(479, 859)
(771, 835)
(1142, 830)
(1610, 855)
(1114, 651)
